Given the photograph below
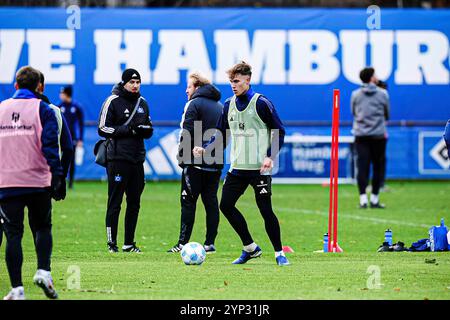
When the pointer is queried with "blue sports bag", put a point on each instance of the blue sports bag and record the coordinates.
(438, 237)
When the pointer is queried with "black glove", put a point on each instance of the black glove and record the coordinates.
(58, 188)
(145, 131)
(132, 130)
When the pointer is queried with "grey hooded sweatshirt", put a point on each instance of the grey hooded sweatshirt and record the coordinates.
(370, 110)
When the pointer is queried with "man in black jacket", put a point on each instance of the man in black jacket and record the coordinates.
(125, 154)
(200, 176)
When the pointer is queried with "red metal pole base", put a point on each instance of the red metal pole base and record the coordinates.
(337, 248)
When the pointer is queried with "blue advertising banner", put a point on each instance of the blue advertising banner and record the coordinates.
(298, 55)
(432, 152)
(308, 157)
(412, 153)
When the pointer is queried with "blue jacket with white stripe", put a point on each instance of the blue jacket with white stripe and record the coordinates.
(126, 142)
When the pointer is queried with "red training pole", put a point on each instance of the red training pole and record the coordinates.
(336, 96)
(330, 212)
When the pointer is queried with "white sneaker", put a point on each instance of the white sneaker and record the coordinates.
(43, 279)
(15, 294)
(210, 248)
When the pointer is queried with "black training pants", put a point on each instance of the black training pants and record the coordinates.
(370, 151)
(383, 168)
(39, 215)
(233, 188)
(124, 177)
(196, 182)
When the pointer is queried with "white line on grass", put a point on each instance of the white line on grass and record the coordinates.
(352, 216)
(357, 217)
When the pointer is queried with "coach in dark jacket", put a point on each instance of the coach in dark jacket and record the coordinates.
(125, 154)
(200, 176)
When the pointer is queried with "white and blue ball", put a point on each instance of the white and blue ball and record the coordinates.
(193, 253)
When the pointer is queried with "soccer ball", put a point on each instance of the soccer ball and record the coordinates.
(193, 253)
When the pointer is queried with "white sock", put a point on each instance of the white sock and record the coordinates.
(374, 198)
(279, 253)
(250, 248)
(127, 246)
(18, 289)
(44, 272)
(363, 199)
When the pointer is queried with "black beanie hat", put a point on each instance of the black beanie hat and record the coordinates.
(67, 90)
(129, 74)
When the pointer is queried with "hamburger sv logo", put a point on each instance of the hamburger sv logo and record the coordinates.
(15, 117)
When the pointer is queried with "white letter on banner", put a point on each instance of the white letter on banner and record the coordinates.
(11, 43)
(312, 57)
(353, 52)
(42, 54)
(415, 66)
(266, 56)
(110, 55)
(382, 43)
(354, 43)
(181, 50)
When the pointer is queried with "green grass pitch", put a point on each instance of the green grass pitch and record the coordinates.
(80, 243)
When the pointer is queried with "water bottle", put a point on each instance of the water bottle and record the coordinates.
(388, 236)
(79, 155)
(442, 222)
(325, 242)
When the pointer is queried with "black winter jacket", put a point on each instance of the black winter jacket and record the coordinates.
(203, 106)
(125, 143)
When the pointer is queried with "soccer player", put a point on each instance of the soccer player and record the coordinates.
(30, 123)
(65, 138)
(198, 178)
(370, 110)
(252, 121)
(73, 113)
(125, 121)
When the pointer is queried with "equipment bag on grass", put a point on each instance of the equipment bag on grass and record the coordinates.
(420, 245)
(438, 237)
